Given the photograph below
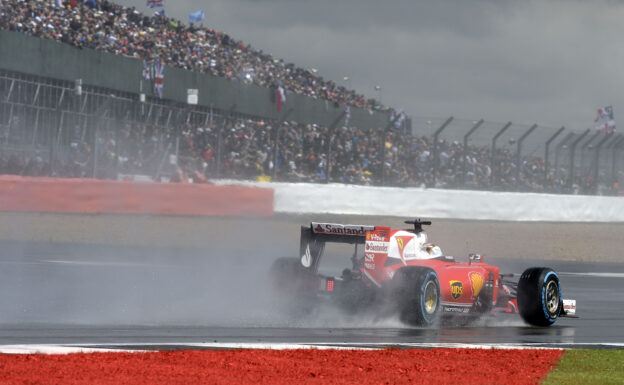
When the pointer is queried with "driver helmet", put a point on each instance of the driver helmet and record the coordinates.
(433, 250)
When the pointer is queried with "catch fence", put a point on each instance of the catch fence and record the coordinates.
(51, 127)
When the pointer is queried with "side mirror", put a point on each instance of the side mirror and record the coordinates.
(476, 258)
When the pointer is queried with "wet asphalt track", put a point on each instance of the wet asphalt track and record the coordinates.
(205, 297)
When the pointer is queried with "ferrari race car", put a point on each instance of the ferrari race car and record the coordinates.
(400, 270)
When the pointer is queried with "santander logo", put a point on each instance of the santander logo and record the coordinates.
(339, 229)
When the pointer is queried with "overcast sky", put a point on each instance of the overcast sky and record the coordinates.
(549, 62)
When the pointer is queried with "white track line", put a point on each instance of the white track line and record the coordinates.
(56, 349)
(596, 274)
(90, 348)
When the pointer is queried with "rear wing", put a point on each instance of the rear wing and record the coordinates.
(313, 239)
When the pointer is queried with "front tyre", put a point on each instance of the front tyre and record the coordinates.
(539, 296)
(417, 292)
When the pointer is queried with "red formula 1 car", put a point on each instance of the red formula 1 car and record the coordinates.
(401, 270)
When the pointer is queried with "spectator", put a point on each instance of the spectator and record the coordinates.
(124, 31)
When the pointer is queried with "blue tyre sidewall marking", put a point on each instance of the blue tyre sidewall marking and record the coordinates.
(422, 296)
(546, 314)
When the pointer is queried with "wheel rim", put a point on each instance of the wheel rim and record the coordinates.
(430, 298)
(552, 297)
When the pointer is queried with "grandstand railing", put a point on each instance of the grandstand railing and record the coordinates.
(107, 71)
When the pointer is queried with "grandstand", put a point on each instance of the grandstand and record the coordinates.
(112, 124)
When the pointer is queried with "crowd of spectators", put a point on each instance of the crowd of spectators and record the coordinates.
(256, 149)
(243, 148)
(124, 31)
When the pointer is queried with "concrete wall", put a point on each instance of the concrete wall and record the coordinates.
(341, 199)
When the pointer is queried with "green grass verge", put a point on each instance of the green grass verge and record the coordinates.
(588, 366)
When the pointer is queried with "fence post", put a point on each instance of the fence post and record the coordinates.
(117, 138)
(226, 119)
(597, 159)
(585, 146)
(36, 128)
(612, 147)
(546, 146)
(472, 130)
(572, 150)
(616, 147)
(383, 147)
(8, 130)
(436, 161)
(493, 153)
(10, 93)
(558, 148)
(100, 115)
(276, 145)
(518, 151)
(52, 138)
(95, 147)
(330, 140)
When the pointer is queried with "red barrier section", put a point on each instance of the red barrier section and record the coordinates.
(89, 196)
(415, 366)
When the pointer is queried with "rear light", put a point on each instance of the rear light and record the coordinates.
(330, 285)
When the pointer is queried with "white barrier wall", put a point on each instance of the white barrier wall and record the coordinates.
(301, 198)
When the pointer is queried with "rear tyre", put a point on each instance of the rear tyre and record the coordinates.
(289, 276)
(539, 296)
(293, 287)
(417, 292)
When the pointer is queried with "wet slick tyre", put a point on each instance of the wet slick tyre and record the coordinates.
(417, 292)
(293, 287)
(539, 296)
(289, 276)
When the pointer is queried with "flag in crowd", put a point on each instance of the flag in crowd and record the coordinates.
(280, 97)
(58, 3)
(196, 17)
(91, 3)
(155, 3)
(397, 117)
(159, 78)
(160, 13)
(605, 121)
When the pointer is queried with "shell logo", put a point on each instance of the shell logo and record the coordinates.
(477, 282)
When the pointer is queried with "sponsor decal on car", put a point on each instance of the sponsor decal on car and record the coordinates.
(338, 229)
(376, 237)
(306, 258)
(381, 234)
(380, 247)
(456, 309)
(476, 281)
(369, 257)
(369, 266)
(457, 289)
